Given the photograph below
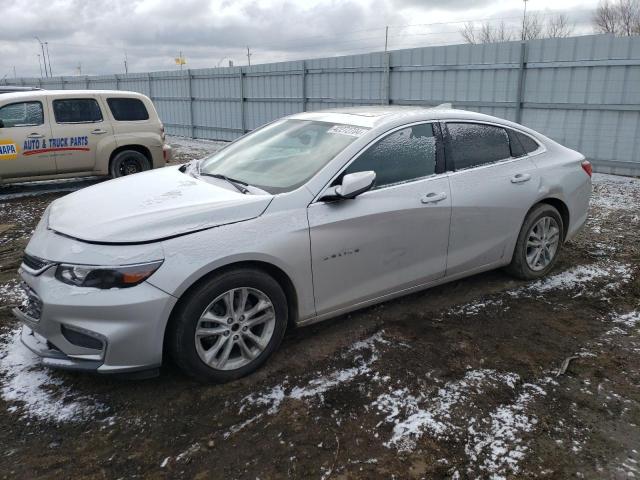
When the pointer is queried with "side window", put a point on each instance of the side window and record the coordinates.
(528, 143)
(23, 114)
(127, 109)
(473, 144)
(77, 110)
(404, 155)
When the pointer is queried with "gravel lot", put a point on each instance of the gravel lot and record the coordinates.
(456, 382)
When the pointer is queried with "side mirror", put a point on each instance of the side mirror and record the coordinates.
(352, 185)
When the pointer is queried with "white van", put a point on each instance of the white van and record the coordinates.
(48, 134)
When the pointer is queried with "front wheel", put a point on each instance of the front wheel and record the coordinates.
(229, 325)
(539, 243)
(128, 162)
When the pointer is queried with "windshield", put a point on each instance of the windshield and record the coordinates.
(283, 155)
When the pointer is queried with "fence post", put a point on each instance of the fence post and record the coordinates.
(150, 86)
(304, 86)
(521, 77)
(190, 95)
(387, 78)
(117, 78)
(243, 122)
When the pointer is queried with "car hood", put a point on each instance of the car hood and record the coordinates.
(151, 206)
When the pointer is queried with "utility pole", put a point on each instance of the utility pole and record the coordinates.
(40, 64)
(386, 37)
(524, 21)
(44, 57)
(46, 44)
(126, 63)
(248, 55)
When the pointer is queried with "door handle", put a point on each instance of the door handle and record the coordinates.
(433, 197)
(98, 131)
(35, 135)
(521, 178)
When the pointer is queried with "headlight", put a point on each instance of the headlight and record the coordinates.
(106, 277)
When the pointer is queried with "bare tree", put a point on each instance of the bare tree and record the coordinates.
(628, 16)
(468, 32)
(486, 33)
(619, 17)
(558, 26)
(532, 27)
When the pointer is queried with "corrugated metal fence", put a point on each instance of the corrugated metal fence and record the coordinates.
(583, 92)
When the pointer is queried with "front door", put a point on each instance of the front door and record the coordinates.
(23, 136)
(79, 124)
(387, 239)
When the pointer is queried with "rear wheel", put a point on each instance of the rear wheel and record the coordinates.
(229, 325)
(128, 162)
(539, 243)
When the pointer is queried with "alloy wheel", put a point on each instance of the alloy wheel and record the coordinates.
(542, 243)
(235, 328)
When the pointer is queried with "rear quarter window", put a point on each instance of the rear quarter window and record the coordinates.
(528, 144)
(128, 109)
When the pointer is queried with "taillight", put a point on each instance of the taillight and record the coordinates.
(586, 166)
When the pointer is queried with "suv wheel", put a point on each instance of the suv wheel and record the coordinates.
(539, 243)
(229, 325)
(128, 162)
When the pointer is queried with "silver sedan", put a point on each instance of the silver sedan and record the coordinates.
(304, 219)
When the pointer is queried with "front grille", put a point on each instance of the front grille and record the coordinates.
(31, 304)
(34, 263)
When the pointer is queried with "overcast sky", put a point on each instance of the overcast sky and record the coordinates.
(94, 35)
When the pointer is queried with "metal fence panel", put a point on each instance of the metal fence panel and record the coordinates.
(583, 92)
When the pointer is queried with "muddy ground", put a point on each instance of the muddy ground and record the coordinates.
(456, 382)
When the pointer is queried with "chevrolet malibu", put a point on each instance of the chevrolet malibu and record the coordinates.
(304, 219)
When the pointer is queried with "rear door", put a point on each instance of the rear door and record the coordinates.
(389, 238)
(23, 139)
(493, 185)
(79, 124)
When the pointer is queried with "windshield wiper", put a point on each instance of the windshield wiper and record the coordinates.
(238, 184)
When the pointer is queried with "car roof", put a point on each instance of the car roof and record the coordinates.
(379, 115)
(47, 93)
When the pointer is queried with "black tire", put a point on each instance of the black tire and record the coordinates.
(182, 328)
(519, 267)
(128, 162)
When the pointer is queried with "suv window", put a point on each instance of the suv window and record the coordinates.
(127, 109)
(404, 155)
(77, 110)
(23, 114)
(473, 144)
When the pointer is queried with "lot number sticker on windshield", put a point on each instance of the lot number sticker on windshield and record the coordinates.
(348, 130)
(8, 150)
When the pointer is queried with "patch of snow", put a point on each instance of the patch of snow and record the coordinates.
(579, 276)
(614, 192)
(414, 416)
(495, 443)
(39, 395)
(194, 148)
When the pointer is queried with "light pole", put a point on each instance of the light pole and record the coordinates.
(40, 64)
(524, 21)
(44, 57)
(46, 44)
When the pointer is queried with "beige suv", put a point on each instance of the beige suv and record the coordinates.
(69, 133)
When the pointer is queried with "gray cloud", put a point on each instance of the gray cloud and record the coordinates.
(152, 32)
